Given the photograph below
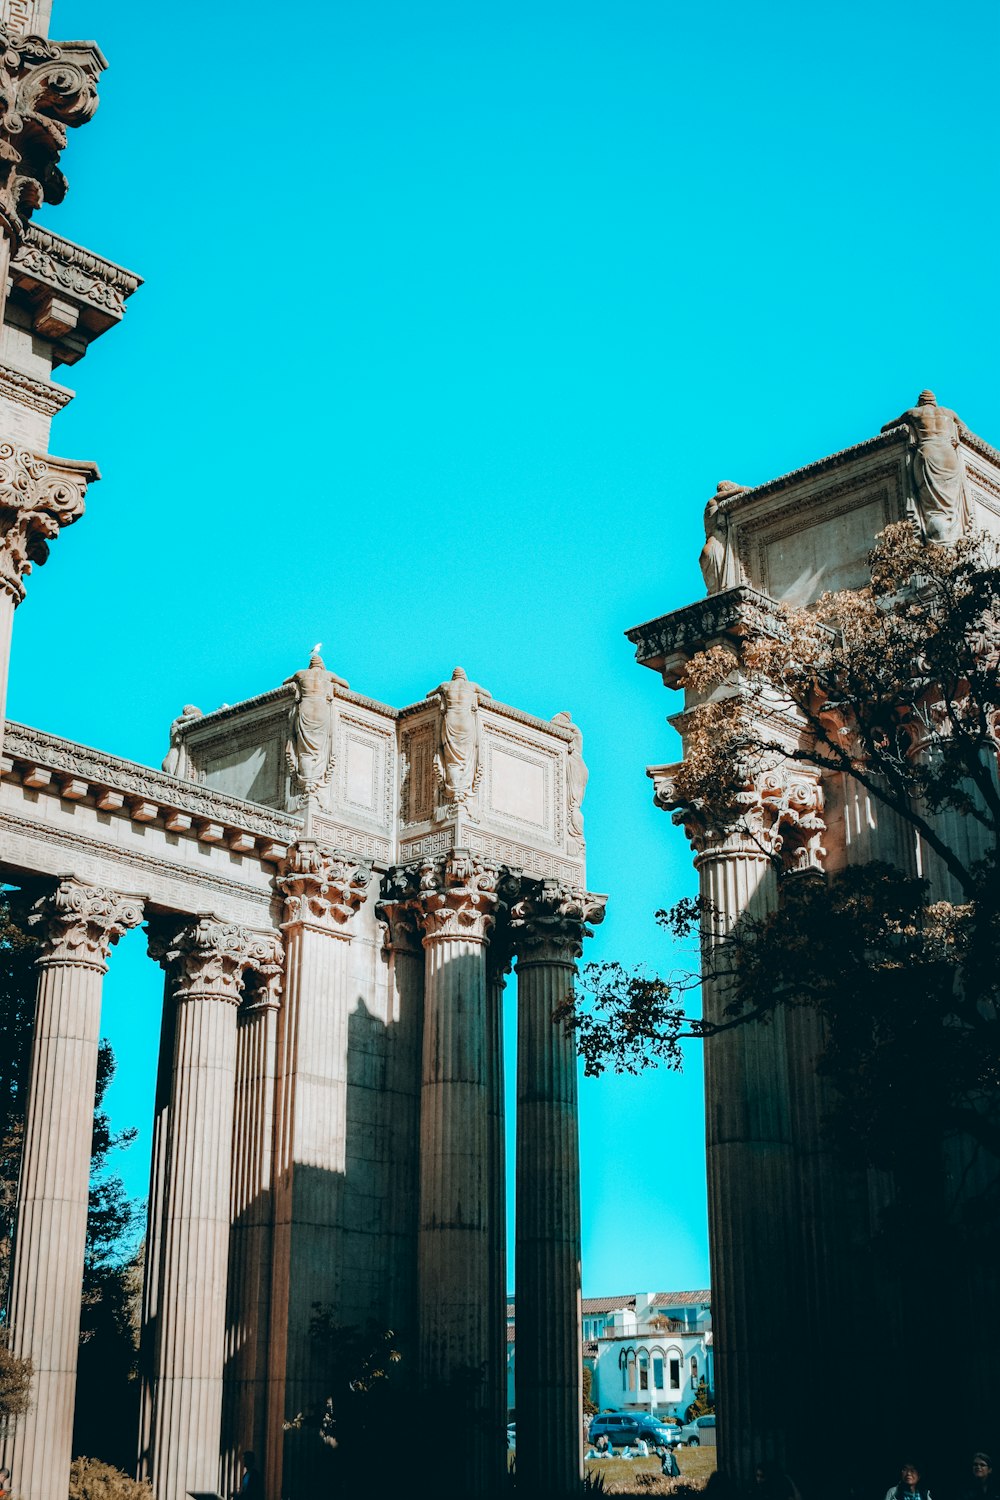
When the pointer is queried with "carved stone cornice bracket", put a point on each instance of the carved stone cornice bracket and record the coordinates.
(205, 958)
(500, 954)
(777, 814)
(78, 924)
(323, 888)
(38, 497)
(45, 89)
(551, 920)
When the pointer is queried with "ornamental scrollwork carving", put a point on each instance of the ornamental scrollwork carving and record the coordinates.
(323, 888)
(37, 499)
(78, 924)
(453, 896)
(45, 89)
(205, 958)
(775, 813)
(551, 920)
(264, 978)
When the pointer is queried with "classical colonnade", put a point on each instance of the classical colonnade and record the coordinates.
(247, 1016)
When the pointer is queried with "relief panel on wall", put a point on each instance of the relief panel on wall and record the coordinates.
(366, 771)
(518, 783)
(417, 792)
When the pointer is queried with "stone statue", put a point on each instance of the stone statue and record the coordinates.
(177, 761)
(720, 566)
(577, 775)
(310, 747)
(942, 509)
(457, 756)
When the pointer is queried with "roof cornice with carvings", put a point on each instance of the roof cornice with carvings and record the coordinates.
(78, 773)
(664, 644)
(73, 294)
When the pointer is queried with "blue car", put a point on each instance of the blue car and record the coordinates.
(624, 1428)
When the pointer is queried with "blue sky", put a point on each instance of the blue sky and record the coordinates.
(454, 316)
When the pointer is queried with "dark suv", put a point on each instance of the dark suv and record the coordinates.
(622, 1428)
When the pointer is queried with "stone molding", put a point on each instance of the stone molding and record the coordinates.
(38, 497)
(37, 395)
(206, 959)
(550, 921)
(778, 815)
(136, 784)
(687, 630)
(323, 887)
(47, 262)
(78, 924)
(45, 88)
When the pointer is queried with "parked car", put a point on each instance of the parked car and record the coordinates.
(622, 1428)
(700, 1431)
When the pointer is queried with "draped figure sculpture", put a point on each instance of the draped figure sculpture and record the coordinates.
(310, 747)
(719, 563)
(939, 498)
(176, 762)
(577, 776)
(457, 757)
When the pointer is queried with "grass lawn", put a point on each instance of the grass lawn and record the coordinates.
(641, 1476)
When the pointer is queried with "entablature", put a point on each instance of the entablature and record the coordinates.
(73, 295)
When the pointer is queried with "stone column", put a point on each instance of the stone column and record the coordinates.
(38, 497)
(498, 966)
(457, 1240)
(154, 1230)
(206, 960)
(323, 891)
(549, 927)
(244, 1415)
(78, 924)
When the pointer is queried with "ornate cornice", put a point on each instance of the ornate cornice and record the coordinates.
(323, 888)
(38, 497)
(550, 921)
(44, 259)
(37, 395)
(78, 923)
(685, 631)
(45, 88)
(142, 785)
(206, 959)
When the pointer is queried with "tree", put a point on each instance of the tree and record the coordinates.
(15, 1385)
(589, 1405)
(894, 687)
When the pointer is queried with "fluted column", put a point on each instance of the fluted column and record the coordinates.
(457, 1238)
(78, 924)
(154, 1230)
(206, 960)
(323, 891)
(549, 925)
(498, 965)
(244, 1411)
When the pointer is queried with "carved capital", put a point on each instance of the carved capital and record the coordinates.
(550, 922)
(264, 978)
(775, 813)
(453, 897)
(395, 913)
(322, 887)
(38, 497)
(45, 89)
(78, 924)
(205, 958)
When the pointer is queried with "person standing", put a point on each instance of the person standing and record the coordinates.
(910, 1485)
(252, 1483)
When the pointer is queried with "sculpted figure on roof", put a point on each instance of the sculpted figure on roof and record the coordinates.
(939, 498)
(310, 747)
(458, 746)
(719, 563)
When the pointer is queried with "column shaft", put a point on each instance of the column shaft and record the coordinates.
(549, 1360)
(80, 924)
(153, 1262)
(496, 1367)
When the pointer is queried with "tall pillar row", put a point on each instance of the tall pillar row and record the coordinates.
(548, 927)
(78, 924)
(323, 891)
(205, 961)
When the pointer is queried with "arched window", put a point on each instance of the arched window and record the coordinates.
(644, 1371)
(631, 1371)
(694, 1372)
(674, 1369)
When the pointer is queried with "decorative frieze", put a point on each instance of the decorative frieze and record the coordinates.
(36, 395)
(38, 497)
(323, 888)
(45, 263)
(79, 923)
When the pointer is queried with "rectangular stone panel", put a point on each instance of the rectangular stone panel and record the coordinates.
(518, 783)
(800, 560)
(252, 771)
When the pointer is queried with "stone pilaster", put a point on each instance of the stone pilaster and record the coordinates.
(323, 890)
(38, 497)
(78, 924)
(244, 1415)
(206, 961)
(455, 905)
(548, 926)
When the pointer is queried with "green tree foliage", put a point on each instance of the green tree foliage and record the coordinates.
(89, 1479)
(896, 687)
(15, 1385)
(589, 1405)
(701, 1405)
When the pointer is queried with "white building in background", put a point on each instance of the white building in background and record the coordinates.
(647, 1351)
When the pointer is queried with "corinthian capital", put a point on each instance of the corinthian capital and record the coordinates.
(38, 497)
(322, 887)
(205, 958)
(454, 896)
(79, 924)
(550, 922)
(45, 88)
(775, 811)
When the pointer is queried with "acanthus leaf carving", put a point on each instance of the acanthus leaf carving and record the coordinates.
(776, 812)
(79, 923)
(323, 887)
(205, 958)
(37, 499)
(551, 920)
